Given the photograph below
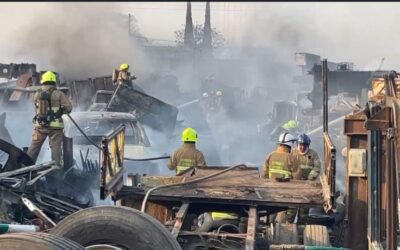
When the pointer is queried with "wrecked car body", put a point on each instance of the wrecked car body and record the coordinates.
(95, 125)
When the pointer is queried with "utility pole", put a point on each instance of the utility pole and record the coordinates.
(381, 64)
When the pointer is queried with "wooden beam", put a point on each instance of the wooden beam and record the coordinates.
(180, 216)
(251, 228)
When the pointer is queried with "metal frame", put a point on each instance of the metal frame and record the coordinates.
(106, 170)
(328, 178)
(375, 197)
(248, 238)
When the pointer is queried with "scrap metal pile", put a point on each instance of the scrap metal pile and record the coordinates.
(110, 120)
(55, 192)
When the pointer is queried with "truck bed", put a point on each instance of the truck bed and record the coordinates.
(241, 186)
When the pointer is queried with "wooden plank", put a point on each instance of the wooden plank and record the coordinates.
(246, 185)
(152, 181)
(251, 228)
(180, 217)
(239, 186)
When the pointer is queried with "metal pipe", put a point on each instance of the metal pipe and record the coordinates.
(11, 228)
(36, 211)
(325, 94)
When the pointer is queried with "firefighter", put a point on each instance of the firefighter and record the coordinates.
(306, 166)
(278, 164)
(187, 156)
(306, 162)
(50, 105)
(124, 76)
(290, 126)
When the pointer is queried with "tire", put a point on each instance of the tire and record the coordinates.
(37, 241)
(316, 235)
(123, 227)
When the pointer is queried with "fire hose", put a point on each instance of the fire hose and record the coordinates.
(97, 146)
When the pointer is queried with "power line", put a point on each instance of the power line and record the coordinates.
(202, 5)
(184, 9)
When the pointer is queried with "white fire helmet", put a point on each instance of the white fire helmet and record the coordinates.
(286, 139)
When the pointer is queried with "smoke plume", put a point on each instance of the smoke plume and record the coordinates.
(79, 40)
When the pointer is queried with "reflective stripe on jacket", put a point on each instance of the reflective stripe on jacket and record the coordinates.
(184, 164)
(186, 157)
(278, 164)
(55, 123)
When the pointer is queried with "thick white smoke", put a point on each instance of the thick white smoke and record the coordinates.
(83, 40)
(79, 40)
(362, 33)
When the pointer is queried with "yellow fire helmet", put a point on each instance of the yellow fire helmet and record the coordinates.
(49, 77)
(291, 124)
(189, 135)
(124, 66)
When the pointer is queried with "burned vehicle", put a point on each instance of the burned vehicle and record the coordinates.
(100, 100)
(94, 126)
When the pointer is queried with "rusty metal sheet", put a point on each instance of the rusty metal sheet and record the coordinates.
(357, 210)
(148, 109)
(82, 91)
(23, 82)
(354, 125)
(380, 120)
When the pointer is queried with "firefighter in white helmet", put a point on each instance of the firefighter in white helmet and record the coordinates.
(278, 164)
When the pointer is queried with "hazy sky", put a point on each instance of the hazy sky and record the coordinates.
(358, 32)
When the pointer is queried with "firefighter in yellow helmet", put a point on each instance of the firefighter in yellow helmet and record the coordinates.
(187, 156)
(50, 105)
(124, 77)
(278, 164)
